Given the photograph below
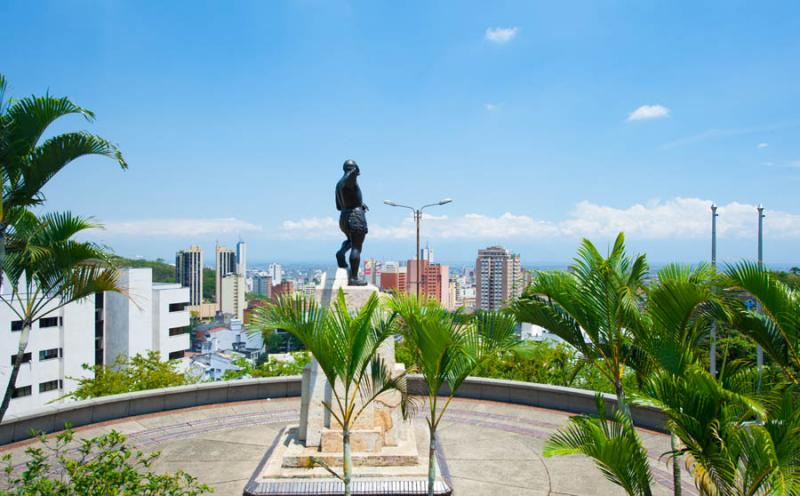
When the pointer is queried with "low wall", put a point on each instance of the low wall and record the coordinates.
(79, 413)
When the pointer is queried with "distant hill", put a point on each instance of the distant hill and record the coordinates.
(165, 272)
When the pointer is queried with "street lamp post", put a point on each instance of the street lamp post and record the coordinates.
(417, 219)
(713, 354)
(759, 349)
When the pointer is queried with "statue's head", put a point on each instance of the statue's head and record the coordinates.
(351, 165)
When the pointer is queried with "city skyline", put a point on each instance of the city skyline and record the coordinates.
(634, 119)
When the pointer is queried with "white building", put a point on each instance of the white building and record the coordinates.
(232, 298)
(93, 331)
(59, 344)
(531, 332)
(276, 271)
(241, 258)
(149, 316)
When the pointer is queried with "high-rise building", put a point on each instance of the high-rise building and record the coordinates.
(434, 281)
(393, 278)
(276, 271)
(498, 278)
(285, 288)
(372, 271)
(241, 258)
(189, 272)
(226, 264)
(262, 284)
(426, 253)
(232, 295)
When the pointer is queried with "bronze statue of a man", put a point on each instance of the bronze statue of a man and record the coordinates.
(352, 220)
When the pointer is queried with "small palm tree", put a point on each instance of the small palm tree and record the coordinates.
(776, 327)
(27, 163)
(447, 347)
(613, 445)
(594, 307)
(47, 269)
(345, 345)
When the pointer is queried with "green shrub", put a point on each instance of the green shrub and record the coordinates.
(102, 465)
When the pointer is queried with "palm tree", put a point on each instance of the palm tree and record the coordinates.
(47, 269)
(594, 307)
(27, 163)
(679, 311)
(345, 345)
(776, 327)
(447, 347)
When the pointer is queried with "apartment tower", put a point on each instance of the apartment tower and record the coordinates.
(498, 278)
(189, 272)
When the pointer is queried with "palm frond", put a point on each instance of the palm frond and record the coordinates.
(613, 445)
(31, 116)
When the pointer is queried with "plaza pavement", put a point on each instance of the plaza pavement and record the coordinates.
(489, 448)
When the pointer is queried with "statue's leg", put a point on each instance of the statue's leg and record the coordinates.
(340, 260)
(357, 240)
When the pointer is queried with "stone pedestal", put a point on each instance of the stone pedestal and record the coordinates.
(384, 445)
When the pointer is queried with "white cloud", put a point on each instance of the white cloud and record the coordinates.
(491, 107)
(646, 112)
(501, 35)
(762, 145)
(678, 218)
(177, 227)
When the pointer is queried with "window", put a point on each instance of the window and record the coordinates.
(177, 307)
(176, 354)
(50, 386)
(21, 391)
(48, 322)
(176, 331)
(16, 325)
(50, 354)
(25, 358)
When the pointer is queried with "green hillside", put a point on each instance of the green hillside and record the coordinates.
(165, 272)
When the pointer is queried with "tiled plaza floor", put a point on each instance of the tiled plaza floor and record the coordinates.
(489, 448)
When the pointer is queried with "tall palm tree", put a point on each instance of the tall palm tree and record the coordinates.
(447, 347)
(681, 306)
(47, 269)
(594, 307)
(345, 345)
(776, 327)
(27, 163)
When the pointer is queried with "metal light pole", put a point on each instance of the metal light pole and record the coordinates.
(713, 354)
(759, 350)
(417, 219)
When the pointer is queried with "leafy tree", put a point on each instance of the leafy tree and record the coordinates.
(209, 284)
(269, 367)
(99, 465)
(446, 348)
(27, 163)
(547, 362)
(139, 373)
(345, 345)
(46, 270)
(593, 307)
(162, 271)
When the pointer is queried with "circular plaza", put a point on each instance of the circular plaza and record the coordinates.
(220, 435)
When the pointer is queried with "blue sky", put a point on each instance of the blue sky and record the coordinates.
(544, 121)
